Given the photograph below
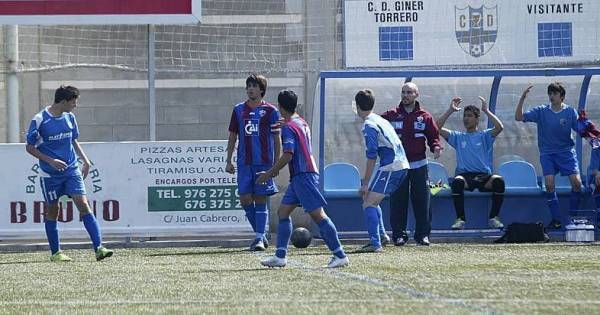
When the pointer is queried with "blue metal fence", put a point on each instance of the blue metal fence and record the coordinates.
(496, 74)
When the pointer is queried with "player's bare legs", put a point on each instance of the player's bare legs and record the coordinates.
(52, 213)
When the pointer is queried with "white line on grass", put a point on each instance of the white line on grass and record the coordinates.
(394, 287)
(287, 301)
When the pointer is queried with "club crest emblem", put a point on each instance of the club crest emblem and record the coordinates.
(476, 29)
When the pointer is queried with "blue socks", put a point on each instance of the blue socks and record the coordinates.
(284, 232)
(330, 236)
(328, 233)
(251, 215)
(91, 225)
(52, 235)
(552, 201)
(261, 219)
(372, 219)
(381, 226)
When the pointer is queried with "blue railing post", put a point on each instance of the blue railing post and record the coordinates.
(585, 86)
(322, 133)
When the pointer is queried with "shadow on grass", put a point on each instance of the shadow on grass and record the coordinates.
(198, 253)
(22, 262)
(349, 250)
(231, 270)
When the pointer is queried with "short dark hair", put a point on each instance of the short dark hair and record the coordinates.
(473, 109)
(365, 100)
(259, 80)
(288, 100)
(557, 87)
(65, 93)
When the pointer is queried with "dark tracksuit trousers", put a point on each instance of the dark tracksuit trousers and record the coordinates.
(415, 186)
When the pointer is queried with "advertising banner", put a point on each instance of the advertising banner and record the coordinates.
(134, 188)
(393, 33)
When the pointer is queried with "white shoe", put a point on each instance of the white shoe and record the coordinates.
(495, 223)
(459, 224)
(337, 262)
(385, 239)
(274, 261)
(257, 245)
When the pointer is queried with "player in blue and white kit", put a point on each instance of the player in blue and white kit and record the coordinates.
(381, 141)
(474, 160)
(52, 139)
(304, 186)
(256, 124)
(557, 149)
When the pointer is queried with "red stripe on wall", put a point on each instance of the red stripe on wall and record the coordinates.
(95, 7)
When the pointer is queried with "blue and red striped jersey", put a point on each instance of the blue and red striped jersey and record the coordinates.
(256, 129)
(295, 136)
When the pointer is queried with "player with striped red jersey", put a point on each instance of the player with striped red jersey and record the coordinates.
(255, 123)
(303, 189)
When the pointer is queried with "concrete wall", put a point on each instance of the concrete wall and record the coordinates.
(114, 103)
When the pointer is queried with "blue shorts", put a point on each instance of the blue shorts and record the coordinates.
(386, 182)
(246, 178)
(563, 162)
(55, 187)
(304, 190)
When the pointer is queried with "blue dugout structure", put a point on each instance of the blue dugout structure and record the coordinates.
(345, 208)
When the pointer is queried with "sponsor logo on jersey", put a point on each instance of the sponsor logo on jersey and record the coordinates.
(60, 136)
(251, 127)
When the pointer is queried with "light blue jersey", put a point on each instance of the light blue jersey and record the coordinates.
(382, 141)
(53, 136)
(473, 151)
(553, 129)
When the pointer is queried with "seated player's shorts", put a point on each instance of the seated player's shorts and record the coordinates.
(476, 181)
(246, 178)
(55, 187)
(304, 190)
(386, 182)
(563, 162)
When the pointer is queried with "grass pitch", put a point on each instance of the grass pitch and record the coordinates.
(442, 278)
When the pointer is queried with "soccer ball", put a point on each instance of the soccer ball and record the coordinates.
(475, 51)
(301, 237)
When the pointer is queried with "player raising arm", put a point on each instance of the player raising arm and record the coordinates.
(474, 160)
(555, 143)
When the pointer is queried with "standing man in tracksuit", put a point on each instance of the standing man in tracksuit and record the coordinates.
(416, 128)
